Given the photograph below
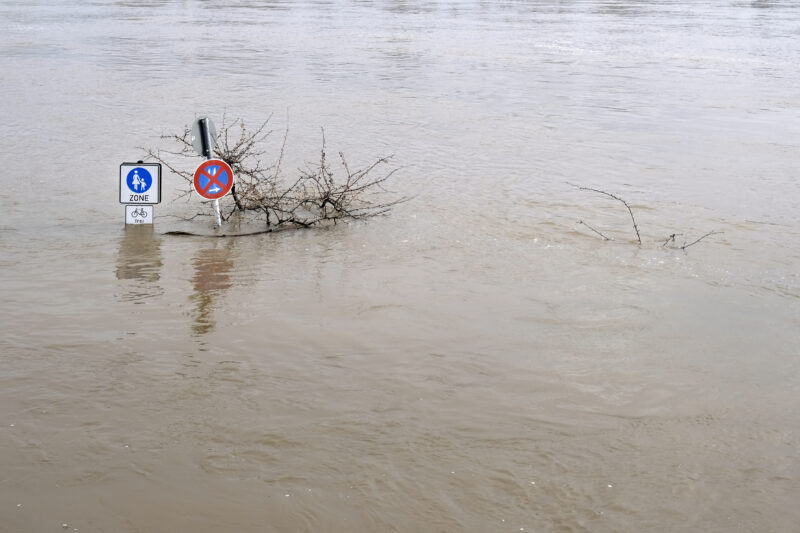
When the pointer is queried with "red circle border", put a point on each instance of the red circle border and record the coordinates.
(223, 167)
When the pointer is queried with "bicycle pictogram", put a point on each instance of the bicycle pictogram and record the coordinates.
(136, 213)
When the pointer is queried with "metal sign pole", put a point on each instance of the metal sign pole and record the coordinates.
(205, 134)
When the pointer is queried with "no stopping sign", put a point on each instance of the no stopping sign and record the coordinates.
(213, 179)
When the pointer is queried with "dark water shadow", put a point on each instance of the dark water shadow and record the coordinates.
(139, 259)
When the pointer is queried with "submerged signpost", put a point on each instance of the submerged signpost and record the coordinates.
(213, 179)
(140, 182)
(139, 190)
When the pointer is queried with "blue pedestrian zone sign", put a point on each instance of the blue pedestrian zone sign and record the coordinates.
(140, 183)
(139, 180)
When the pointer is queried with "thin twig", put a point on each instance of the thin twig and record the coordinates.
(671, 238)
(685, 246)
(615, 197)
(594, 230)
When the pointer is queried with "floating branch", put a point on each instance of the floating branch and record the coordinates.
(615, 197)
(670, 239)
(685, 246)
(594, 230)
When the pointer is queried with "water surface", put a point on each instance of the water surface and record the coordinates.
(475, 361)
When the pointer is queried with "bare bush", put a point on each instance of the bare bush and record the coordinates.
(321, 193)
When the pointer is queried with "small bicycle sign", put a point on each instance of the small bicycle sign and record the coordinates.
(138, 214)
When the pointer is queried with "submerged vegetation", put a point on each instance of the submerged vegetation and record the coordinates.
(671, 240)
(324, 192)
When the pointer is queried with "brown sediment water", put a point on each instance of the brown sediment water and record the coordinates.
(477, 360)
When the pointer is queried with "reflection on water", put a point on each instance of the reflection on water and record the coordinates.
(139, 258)
(212, 267)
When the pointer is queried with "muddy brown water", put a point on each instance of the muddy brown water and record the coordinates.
(478, 360)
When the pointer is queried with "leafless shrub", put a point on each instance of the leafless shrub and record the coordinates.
(321, 193)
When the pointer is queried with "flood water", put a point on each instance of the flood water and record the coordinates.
(477, 360)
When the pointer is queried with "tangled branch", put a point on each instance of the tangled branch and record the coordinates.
(322, 193)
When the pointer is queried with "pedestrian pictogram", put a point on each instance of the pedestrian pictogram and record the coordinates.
(140, 183)
(139, 180)
(213, 179)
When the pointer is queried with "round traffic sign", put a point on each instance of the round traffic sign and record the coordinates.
(213, 179)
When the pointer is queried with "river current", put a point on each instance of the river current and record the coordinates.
(478, 359)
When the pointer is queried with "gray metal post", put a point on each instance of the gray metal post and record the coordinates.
(205, 135)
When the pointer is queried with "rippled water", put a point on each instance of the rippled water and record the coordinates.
(478, 360)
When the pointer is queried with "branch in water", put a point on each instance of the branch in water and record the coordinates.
(670, 239)
(615, 197)
(594, 230)
(685, 246)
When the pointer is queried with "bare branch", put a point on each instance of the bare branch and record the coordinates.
(594, 230)
(685, 246)
(615, 197)
(670, 239)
